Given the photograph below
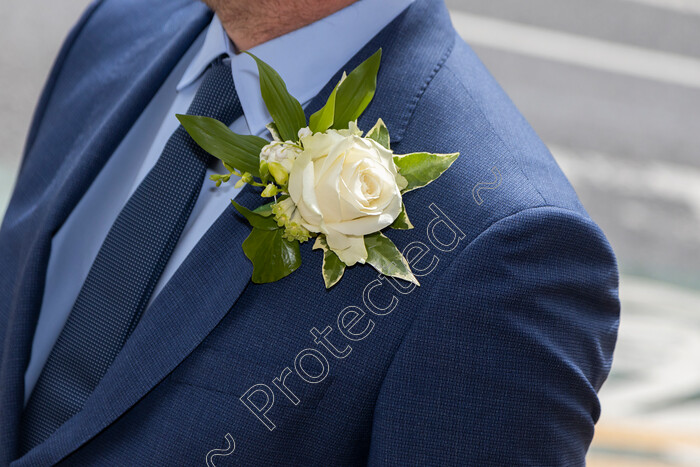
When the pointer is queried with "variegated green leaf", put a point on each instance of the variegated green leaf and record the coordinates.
(333, 267)
(379, 133)
(383, 255)
(421, 168)
(402, 222)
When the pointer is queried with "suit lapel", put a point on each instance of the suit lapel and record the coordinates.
(122, 85)
(205, 288)
(193, 302)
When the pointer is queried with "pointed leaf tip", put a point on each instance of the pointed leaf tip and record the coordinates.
(421, 168)
(383, 255)
(356, 91)
(285, 109)
(380, 133)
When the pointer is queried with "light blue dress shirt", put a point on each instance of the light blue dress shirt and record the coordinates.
(306, 59)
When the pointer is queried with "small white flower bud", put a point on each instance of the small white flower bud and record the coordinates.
(304, 132)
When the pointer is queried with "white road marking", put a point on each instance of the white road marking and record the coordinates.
(578, 50)
(684, 6)
(645, 179)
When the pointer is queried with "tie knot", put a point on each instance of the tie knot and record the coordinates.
(216, 96)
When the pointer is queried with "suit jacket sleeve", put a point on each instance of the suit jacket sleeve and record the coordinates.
(503, 366)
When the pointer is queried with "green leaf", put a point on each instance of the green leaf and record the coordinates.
(274, 132)
(273, 257)
(333, 267)
(322, 119)
(421, 168)
(239, 151)
(283, 107)
(387, 259)
(379, 133)
(265, 210)
(257, 220)
(356, 91)
(402, 222)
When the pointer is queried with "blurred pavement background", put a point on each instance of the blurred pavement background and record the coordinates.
(613, 88)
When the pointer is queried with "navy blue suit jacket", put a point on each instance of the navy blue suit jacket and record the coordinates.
(494, 360)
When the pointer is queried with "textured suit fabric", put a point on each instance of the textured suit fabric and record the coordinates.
(126, 270)
(495, 359)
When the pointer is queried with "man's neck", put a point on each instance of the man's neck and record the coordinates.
(252, 22)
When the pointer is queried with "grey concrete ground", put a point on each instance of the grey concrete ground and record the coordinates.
(613, 87)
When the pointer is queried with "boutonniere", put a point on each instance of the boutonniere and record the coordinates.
(325, 180)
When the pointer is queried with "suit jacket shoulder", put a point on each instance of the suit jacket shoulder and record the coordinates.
(464, 109)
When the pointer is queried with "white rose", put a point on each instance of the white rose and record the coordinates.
(345, 187)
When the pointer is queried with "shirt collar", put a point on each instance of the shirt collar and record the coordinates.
(216, 43)
(306, 58)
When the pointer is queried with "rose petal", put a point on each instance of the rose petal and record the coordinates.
(327, 192)
(369, 224)
(349, 248)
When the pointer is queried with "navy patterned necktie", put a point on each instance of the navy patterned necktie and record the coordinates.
(127, 268)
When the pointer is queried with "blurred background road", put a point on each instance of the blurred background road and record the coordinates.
(613, 88)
